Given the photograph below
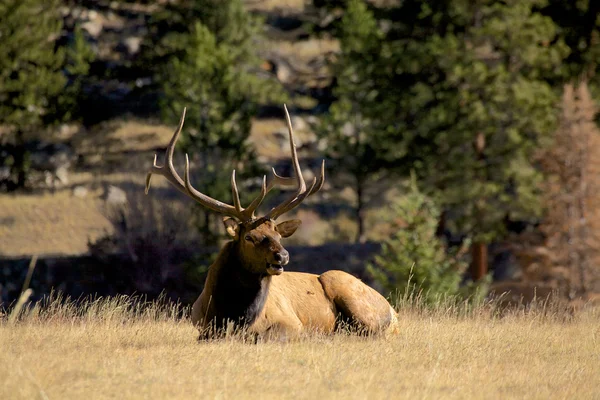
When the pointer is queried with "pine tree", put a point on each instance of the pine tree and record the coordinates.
(349, 134)
(211, 68)
(227, 20)
(40, 82)
(414, 261)
(30, 75)
(78, 56)
(472, 99)
(571, 195)
(579, 22)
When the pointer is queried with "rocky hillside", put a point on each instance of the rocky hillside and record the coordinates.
(80, 169)
(116, 31)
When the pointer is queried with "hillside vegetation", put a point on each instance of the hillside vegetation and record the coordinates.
(488, 110)
(60, 219)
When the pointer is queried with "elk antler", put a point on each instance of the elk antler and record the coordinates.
(236, 210)
(302, 192)
(183, 185)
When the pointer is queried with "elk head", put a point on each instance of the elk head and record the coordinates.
(257, 240)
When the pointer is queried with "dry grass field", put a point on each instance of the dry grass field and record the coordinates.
(111, 349)
(49, 223)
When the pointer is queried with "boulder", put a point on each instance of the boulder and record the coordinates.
(115, 195)
(130, 45)
(80, 191)
(93, 28)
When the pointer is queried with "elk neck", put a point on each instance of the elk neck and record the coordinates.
(238, 294)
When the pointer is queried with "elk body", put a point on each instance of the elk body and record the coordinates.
(246, 285)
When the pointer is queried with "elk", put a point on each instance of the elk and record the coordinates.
(247, 287)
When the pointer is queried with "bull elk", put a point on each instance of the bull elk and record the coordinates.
(246, 285)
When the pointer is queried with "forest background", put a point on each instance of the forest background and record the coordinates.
(460, 140)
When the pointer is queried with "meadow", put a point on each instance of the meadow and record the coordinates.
(117, 348)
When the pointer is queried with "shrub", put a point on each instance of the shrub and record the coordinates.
(153, 238)
(414, 261)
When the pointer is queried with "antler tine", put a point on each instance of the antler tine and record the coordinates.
(295, 162)
(207, 201)
(285, 181)
(296, 201)
(235, 194)
(236, 210)
(280, 180)
(167, 170)
(321, 181)
(302, 192)
(259, 199)
(149, 175)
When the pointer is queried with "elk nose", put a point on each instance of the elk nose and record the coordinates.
(282, 257)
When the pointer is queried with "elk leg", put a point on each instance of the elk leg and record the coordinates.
(281, 331)
(362, 306)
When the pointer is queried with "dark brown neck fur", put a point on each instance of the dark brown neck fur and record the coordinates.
(236, 294)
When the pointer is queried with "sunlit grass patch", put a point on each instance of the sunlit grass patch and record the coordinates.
(271, 5)
(48, 223)
(126, 348)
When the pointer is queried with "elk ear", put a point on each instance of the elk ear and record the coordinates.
(287, 228)
(231, 226)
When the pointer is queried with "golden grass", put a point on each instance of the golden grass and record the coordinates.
(109, 349)
(262, 136)
(269, 138)
(272, 5)
(48, 223)
(117, 136)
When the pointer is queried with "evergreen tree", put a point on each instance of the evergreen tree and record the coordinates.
(40, 81)
(211, 69)
(579, 22)
(471, 100)
(349, 133)
(30, 75)
(414, 260)
(76, 68)
(227, 20)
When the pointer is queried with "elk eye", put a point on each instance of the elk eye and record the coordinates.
(248, 238)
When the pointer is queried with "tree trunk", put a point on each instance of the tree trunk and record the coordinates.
(21, 161)
(441, 227)
(360, 217)
(479, 260)
(479, 250)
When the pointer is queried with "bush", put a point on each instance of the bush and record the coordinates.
(154, 238)
(414, 261)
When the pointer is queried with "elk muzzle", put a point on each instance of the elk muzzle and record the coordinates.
(280, 258)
